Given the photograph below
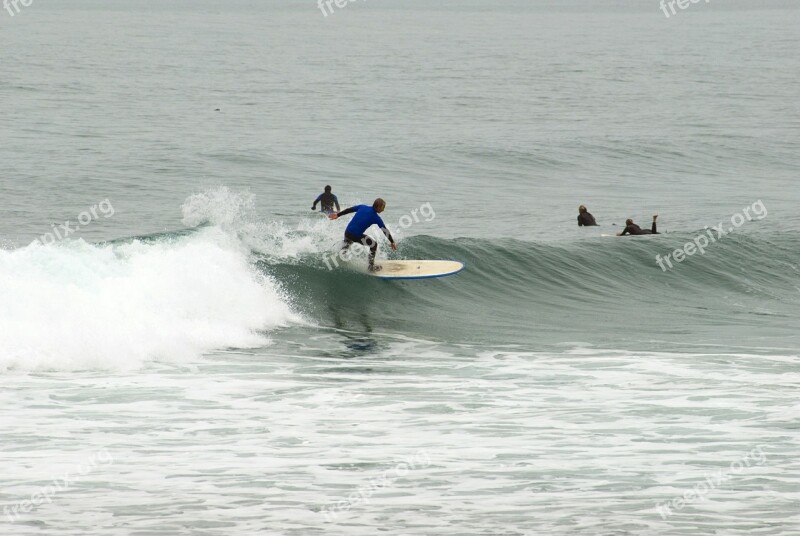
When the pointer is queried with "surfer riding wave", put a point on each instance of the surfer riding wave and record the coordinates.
(365, 217)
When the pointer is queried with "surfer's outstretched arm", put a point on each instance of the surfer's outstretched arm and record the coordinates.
(389, 237)
(342, 213)
(317, 200)
(336, 202)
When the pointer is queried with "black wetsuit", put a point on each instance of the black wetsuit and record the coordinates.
(586, 220)
(326, 200)
(634, 229)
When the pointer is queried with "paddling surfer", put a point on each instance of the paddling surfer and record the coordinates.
(633, 229)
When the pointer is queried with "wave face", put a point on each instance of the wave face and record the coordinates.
(601, 290)
(115, 306)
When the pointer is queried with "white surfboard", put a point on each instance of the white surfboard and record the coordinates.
(416, 269)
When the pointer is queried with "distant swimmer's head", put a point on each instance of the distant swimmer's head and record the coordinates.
(629, 222)
(379, 204)
(328, 189)
(582, 209)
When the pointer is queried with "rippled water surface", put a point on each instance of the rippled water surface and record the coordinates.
(184, 362)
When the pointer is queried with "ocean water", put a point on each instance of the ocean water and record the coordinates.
(176, 357)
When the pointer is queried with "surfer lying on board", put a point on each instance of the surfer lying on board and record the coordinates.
(326, 201)
(366, 216)
(585, 219)
(633, 229)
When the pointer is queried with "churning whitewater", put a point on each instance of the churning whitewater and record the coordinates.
(118, 305)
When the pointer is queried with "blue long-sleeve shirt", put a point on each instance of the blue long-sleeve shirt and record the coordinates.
(365, 217)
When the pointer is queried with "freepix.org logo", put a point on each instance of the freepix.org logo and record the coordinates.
(755, 457)
(60, 232)
(61, 483)
(682, 4)
(323, 4)
(700, 243)
(12, 6)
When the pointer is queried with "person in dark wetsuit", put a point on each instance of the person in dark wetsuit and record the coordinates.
(326, 201)
(366, 216)
(585, 219)
(633, 229)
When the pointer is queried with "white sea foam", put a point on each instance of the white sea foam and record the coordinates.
(586, 441)
(75, 305)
